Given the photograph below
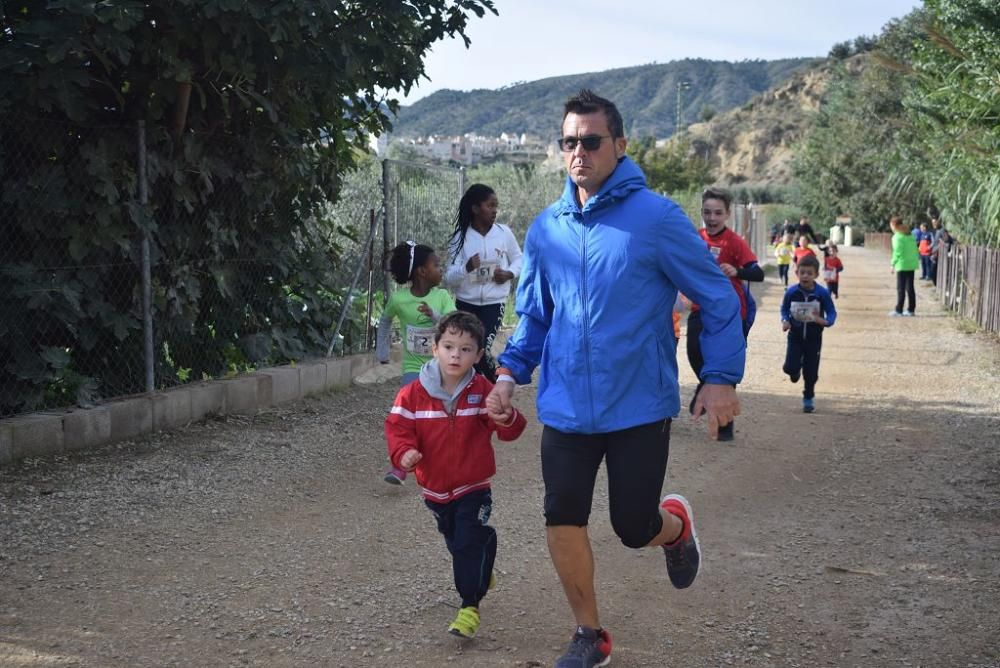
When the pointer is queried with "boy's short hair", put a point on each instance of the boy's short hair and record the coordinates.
(809, 261)
(462, 322)
(720, 194)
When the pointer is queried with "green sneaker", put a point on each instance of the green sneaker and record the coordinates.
(466, 623)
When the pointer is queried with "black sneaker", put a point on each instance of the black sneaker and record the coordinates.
(726, 432)
(587, 649)
(683, 555)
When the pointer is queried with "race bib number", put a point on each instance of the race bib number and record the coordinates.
(419, 340)
(483, 274)
(829, 275)
(805, 311)
(716, 251)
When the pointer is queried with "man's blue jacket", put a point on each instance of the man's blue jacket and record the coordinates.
(595, 298)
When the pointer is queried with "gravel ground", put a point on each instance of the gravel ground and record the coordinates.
(865, 534)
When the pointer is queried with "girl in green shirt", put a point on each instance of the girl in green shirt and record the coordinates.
(417, 309)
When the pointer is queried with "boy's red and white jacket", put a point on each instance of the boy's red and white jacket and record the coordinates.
(457, 455)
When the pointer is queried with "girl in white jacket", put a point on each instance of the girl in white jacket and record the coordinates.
(484, 259)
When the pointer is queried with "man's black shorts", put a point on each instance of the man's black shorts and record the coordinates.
(636, 462)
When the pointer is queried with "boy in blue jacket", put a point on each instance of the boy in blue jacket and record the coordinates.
(805, 310)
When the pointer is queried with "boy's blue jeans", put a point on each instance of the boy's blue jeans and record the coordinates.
(470, 540)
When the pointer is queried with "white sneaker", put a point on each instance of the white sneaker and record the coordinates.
(908, 314)
(895, 314)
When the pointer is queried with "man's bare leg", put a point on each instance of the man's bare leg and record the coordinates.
(569, 548)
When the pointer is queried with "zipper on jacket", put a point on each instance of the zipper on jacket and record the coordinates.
(586, 318)
(482, 286)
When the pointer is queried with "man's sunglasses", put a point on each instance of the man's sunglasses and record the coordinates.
(589, 143)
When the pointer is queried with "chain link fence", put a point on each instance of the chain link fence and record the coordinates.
(126, 268)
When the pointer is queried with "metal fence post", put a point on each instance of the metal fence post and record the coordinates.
(369, 307)
(385, 229)
(349, 297)
(147, 279)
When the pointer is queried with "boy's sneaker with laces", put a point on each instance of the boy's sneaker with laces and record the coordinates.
(588, 648)
(683, 555)
(466, 623)
(895, 314)
(395, 476)
(808, 406)
(726, 432)
(908, 314)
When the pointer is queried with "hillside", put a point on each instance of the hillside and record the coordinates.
(646, 94)
(754, 143)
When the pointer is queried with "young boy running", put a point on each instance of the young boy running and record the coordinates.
(439, 427)
(738, 262)
(805, 310)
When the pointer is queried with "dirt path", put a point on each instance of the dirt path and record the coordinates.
(866, 534)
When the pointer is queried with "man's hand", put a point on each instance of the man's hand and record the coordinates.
(410, 459)
(473, 263)
(819, 321)
(720, 403)
(501, 417)
(785, 325)
(728, 269)
(498, 400)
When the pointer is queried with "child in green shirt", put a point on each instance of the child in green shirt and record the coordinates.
(418, 309)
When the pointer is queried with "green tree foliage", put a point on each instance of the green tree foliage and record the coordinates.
(672, 168)
(524, 190)
(918, 129)
(952, 102)
(842, 164)
(254, 109)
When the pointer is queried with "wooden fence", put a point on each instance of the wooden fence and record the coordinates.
(968, 280)
(881, 240)
(968, 283)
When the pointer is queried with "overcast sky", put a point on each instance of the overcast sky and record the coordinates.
(535, 39)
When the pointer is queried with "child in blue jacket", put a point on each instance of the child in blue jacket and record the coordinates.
(805, 311)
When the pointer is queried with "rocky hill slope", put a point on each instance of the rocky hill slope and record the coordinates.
(646, 94)
(754, 143)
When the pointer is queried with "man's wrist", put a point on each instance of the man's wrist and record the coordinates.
(506, 375)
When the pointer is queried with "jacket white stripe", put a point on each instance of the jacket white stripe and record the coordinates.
(423, 415)
(458, 491)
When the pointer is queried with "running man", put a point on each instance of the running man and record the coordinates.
(602, 268)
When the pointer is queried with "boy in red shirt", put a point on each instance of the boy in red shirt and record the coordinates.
(802, 250)
(440, 428)
(832, 266)
(737, 262)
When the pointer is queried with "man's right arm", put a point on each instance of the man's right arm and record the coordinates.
(534, 309)
(688, 264)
